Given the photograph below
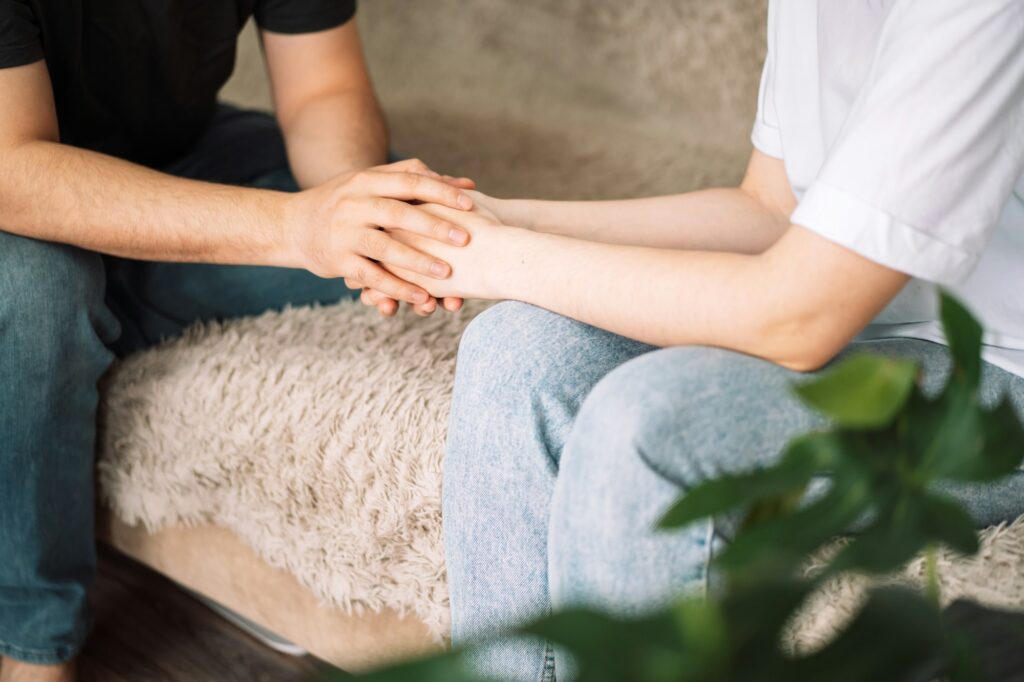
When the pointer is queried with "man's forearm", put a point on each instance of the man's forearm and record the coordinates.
(708, 220)
(55, 192)
(333, 134)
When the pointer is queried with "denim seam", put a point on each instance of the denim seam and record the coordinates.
(61, 654)
(547, 673)
(709, 541)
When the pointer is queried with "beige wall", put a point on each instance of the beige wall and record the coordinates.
(631, 93)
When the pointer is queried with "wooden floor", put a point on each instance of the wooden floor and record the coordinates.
(148, 630)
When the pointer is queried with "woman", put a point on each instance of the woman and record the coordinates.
(655, 340)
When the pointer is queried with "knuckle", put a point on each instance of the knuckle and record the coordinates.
(441, 228)
(374, 243)
(398, 212)
(413, 181)
(380, 205)
(365, 275)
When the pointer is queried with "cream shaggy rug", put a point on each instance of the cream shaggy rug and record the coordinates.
(315, 434)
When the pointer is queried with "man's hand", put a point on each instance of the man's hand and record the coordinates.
(338, 228)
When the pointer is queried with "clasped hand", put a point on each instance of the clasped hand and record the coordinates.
(348, 227)
(395, 232)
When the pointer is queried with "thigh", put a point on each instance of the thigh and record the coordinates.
(521, 376)
(697, 413)
(668, 420)
(157, 301)
(238, 147)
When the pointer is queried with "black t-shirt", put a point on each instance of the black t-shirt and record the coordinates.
(139, 78)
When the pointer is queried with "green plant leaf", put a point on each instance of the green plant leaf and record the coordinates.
(446, 667)
(947, 432)
(897, 635)
(904, 528)
(879, 549)
(961, 441)
(780, 546)
(964, 335)
(1002, 451)
(862, 392)
(648, 649)
(944, 520)
(804, 458)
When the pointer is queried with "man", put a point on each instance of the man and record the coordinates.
(125, 191)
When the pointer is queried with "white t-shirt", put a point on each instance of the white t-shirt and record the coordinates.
(901, 124)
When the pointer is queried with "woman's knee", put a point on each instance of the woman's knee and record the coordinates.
(522, 373)
(692, 412)
(516, 342)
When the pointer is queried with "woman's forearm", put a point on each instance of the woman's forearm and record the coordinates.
(727, 219)
(745, 219)
(796, 305)
(639, 292)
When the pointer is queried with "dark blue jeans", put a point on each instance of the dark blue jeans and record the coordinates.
(65, 314)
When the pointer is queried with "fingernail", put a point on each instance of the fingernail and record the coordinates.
(419, 297)
(439, 270)
(458, 236)
(465, 202)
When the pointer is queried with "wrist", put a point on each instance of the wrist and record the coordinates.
(515, 255)
(518, 212)
(280, 214)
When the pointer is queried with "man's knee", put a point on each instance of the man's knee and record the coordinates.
(51, 298)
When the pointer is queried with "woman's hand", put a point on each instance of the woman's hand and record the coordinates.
(476, 267)
(484, 206)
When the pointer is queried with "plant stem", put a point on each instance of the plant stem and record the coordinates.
(931, 572)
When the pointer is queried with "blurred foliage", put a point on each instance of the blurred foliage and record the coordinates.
(888, 443)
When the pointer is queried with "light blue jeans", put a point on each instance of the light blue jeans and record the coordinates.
(567, 443)
(64, 315)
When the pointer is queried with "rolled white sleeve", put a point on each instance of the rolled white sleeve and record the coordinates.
(934, 143)
(766, 135)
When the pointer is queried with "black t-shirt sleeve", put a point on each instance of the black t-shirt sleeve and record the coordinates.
(19, 34)
(302, 16)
